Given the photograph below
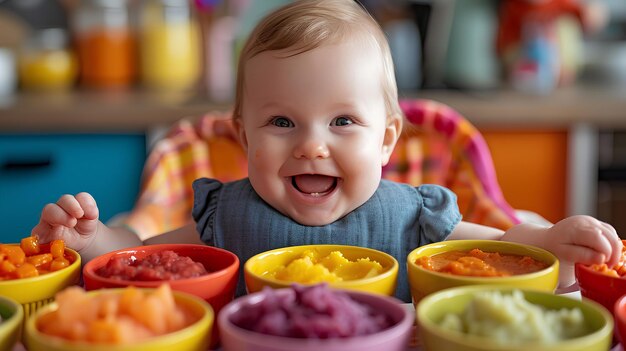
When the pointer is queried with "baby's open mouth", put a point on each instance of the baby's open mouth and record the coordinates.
(314, 184)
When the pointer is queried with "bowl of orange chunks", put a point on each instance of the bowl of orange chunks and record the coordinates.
(121, 319)
(32, 272)
(601, 283)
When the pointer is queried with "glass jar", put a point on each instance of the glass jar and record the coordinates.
(169, 45)
(46, 62)
(105, 43)
(8, 76)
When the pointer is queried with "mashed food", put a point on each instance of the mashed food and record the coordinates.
(511, 319)
(311, 312)
(478, 263)
(163, 265)
(311, 267)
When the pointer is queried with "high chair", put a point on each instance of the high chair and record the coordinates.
(439, 146)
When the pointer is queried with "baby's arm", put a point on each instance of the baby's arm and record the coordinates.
(75, 220)
(575, 239)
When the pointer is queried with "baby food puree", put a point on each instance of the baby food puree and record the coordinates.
(310, 267)
(478, 263)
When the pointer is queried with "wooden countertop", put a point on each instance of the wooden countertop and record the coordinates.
(94, 112)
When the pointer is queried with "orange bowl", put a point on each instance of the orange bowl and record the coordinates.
(217, 287)
(599, 287)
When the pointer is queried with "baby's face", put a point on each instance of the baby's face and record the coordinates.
(316, 129)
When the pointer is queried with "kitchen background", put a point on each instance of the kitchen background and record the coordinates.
(87, 86)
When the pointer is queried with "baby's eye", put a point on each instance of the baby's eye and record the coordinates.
(282, 122)
(342, 121)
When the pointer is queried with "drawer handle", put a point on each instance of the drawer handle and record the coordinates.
(27, 164)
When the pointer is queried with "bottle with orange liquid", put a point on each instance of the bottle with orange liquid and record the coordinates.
(105, 44)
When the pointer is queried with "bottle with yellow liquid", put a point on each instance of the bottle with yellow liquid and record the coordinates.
(46, 63)
(169, 45)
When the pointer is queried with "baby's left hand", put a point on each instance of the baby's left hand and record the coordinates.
(583, 239)
(586, 240)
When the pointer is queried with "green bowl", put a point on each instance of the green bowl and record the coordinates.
(432, 309)
(423, 281)
(11, 325)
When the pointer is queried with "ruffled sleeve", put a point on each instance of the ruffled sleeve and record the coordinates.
(206, 192)
(439, 214)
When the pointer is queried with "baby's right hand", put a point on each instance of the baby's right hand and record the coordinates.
(72, 218)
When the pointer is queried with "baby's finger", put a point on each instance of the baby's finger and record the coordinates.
(616, 243)
(47, 232)
(583, 254)
(593, 238)
(54, 214)
(71, 205)
(42, 230)
(88, 205)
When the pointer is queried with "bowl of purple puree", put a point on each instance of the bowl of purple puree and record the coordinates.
(315, 318)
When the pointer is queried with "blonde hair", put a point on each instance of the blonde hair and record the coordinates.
(307, 24)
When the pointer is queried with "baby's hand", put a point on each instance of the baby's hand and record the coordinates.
(72, 218)
(586, 240)
(582, 239)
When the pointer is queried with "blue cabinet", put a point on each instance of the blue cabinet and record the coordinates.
(36, 169)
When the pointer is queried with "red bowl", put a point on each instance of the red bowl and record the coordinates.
(619, 315)
(217, 287)
(601, 288)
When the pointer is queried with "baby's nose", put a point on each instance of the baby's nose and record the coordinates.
(312, 149)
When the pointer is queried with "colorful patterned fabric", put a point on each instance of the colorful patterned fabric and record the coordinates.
(438, 146)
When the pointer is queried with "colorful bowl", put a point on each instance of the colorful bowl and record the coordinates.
(619, 317)
(432, 309)
(217, 287)
(257, 266)
(34, 293)
(423, 282)
(195, 337)
(394, 338)
(599, 287)
(12, 318)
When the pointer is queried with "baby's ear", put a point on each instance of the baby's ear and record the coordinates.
(392, 133)
(241, 133)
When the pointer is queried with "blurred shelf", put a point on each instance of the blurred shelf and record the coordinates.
(600, 107)
(133, 111)
(84, 112)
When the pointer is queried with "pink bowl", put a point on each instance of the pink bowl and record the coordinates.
(394, 338)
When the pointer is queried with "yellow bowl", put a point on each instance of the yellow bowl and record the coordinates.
(423, 281)
(12, 316)
(432, 309)
(195, 337)
(256, 267)
(35, 292)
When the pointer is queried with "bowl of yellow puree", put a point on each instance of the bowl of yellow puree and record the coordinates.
(341, 266)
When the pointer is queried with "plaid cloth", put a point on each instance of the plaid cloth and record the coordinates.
(438, 146)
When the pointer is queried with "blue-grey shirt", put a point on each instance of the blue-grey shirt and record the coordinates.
(396, 219)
